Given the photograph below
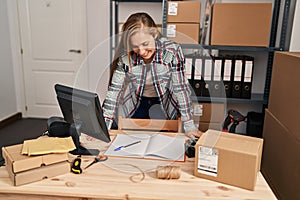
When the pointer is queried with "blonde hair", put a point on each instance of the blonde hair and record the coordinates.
(133, 24)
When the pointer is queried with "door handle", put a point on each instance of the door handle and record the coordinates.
(75, 51)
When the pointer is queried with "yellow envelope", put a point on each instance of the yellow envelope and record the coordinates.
(45, 145)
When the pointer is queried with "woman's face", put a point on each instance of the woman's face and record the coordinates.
(143, 43)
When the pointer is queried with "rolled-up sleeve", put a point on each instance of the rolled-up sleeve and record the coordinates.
(113, 94)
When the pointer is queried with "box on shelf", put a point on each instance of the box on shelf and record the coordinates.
(183, 33)
(284, 96)
(209, 115)
(24, 169)
(228, 158)
(281, 161)
(241, 24)
(184, 11)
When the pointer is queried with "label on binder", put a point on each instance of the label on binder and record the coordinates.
(238, 70)
(198, 69)
(188, 67)
(217, 70)
(173, 8)
(208, 161)
(248, 71)
(171, 30)
(227, 70)
(208, 69)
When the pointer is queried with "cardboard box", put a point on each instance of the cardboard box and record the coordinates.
(184, 11)
(183, 33)
(281, 160)
(24, 169)
(209, 115)
(241, 24)
(209, 112)
(38, 174)
(18, 162)
(228, 158)
(284, 96)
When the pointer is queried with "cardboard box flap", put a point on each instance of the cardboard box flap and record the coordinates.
(281, 163)
(283, 127)
(231, 142)
(296, 54)
(18, 162)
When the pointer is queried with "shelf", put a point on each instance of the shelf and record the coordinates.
(255, 99)
(231, 48)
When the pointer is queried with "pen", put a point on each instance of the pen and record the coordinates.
(128, 145)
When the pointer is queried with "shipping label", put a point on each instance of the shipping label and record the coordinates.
(208, 161)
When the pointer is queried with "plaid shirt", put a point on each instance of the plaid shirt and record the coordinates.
(171, 86)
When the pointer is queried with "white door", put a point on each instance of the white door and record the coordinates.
(53, 39)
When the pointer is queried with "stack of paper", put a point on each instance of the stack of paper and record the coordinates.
(45, 145)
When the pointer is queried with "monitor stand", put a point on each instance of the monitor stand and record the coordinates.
(80, 150)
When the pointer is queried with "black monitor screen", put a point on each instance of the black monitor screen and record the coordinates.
(83, 111)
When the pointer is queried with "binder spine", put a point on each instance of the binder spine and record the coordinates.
(226, 76)
(198, 75)
(217, 83)
(207, 76)
(189, 69)
(247, 77)
(237, 77)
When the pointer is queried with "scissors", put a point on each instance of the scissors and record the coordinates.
(98, 158)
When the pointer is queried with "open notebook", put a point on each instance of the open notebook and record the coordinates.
(148, 146)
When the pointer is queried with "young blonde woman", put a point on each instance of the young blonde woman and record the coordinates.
(148, 78)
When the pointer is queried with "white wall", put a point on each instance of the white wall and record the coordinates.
(8, 105)
(98, 45)
(295, 39)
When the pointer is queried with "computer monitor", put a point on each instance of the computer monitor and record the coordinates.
(82, 110)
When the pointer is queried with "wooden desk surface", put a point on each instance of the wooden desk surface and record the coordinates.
(119, 178)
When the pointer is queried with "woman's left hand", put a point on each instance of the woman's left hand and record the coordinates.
(194, 134)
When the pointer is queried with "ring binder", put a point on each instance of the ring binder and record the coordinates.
(237, 77)
(247, 80)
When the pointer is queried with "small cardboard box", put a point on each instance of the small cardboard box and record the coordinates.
(281, 160)
(18, 162)
(284, 95)
(209, 115)
(209, 112)
(241, 24)
(38, 174)
(228, 158)
(184, 11)
(183, 33)
(26, 169)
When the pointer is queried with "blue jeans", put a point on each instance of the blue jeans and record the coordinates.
(149, 108)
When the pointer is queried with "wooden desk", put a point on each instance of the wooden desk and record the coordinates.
(112, 179)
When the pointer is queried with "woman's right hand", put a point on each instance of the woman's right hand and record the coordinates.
(194, 134)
